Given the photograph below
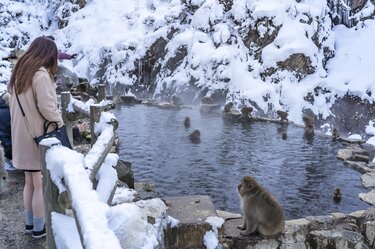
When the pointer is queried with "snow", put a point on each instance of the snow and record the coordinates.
(350, 69)
(354, 137)
(172, 221)
(107, 177)
(90, 212)
(124, 225)
(123, 195)
(70, 237)
(213, 42)
(370, 128)
(129, 222)
(211, 237)
(216, 53)
(106, 134)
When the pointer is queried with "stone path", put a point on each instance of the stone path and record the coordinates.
(12, 226)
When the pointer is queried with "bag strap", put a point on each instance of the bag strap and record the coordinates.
(48, 123)
(23, 113)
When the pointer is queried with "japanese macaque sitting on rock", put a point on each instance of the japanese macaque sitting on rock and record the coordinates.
(261, 212)
(246, 111)
(283, 115)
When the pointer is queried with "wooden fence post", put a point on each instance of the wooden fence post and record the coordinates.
(50, 193)
(101, 92)
(65, 100)
(95, 112)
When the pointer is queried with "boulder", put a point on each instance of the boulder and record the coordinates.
(192, 213)
(368, 197)
(125, 173)
(336, 239)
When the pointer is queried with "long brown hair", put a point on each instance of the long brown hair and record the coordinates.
(41, 53)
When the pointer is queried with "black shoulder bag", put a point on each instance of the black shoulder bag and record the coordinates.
(59, 133)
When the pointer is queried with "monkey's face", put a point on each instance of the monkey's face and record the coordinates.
(246, 185)
(239, 187)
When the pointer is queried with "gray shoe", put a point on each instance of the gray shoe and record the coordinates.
(8, 166)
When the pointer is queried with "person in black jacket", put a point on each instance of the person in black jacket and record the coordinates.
(5, 135)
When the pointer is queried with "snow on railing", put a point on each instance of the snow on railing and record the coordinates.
(67, 166)
(84, 184)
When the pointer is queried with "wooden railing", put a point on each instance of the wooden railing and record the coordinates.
(63, 169)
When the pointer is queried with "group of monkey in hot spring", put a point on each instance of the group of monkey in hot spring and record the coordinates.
(262, 214)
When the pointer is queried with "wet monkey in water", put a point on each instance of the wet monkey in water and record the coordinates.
(337, 195)
(187, 122)
(228, 107)
(284, 136)
(261, 212)
(309, 125)
(195, 137)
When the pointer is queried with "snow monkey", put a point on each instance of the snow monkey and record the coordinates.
(207, 100)
(261, 211)
(335, 134)
(283, 115)
(3, 173)
(309, 125)
(187, 122)
(246, 111)
(195, 137)
(337, 195)
(284, 136)
(228, 107)
(176, 100)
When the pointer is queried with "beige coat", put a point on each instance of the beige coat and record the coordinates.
(39, 103)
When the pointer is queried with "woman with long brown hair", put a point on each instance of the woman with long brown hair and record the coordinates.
(32, 83)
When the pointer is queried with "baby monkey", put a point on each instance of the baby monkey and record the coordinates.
(261, 211)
